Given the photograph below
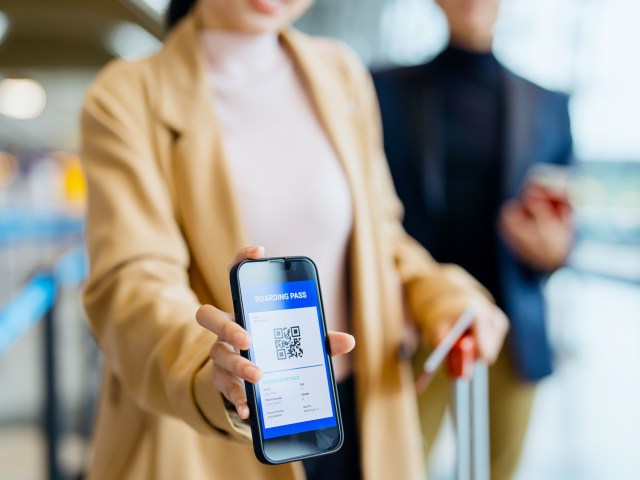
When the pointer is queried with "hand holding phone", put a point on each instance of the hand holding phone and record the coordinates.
(295, 413)
(233, 338)
(231, 369)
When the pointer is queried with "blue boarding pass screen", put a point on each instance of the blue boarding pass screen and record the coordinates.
(284, 321)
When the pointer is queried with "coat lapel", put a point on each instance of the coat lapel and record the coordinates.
(207, 208)
(333, 107)
(338, 113)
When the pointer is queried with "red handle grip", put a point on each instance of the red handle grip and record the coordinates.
(461, 357)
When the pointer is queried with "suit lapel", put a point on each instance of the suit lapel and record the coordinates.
(519, 137)
(519, 132)
(420, 112)
(431, 167)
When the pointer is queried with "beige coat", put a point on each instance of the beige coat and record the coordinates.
(162, 227)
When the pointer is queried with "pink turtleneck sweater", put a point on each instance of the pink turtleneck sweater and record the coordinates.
(292, 191)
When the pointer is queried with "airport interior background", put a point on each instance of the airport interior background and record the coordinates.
(586, 418)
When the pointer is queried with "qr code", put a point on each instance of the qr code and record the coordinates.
(287, 341)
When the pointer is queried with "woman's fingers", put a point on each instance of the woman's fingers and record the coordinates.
(230, 369)
(490, 328)
(253, 252)
(222, 324)
(233, 389)
(340, 343)
(225, 357)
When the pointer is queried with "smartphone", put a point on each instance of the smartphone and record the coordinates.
(294, 407)
(550, 183)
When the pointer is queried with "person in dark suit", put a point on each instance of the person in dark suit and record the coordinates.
(460, 134)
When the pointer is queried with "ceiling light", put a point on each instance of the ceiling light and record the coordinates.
(131, 41)
(4, 26)
(21, 98)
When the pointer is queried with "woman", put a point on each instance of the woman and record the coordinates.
(242, 131)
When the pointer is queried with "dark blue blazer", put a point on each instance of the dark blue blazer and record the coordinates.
(536, 130)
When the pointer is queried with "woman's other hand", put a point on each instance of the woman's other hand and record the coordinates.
(489, 328)
(230, 369)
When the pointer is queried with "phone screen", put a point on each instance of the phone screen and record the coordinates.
(296, 412)
(284, 320)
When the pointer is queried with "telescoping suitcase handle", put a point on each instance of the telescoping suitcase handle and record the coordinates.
(470, 410)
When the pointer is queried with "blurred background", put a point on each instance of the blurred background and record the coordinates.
(586, 420)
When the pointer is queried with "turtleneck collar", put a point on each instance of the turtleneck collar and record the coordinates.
(240, 55)
(461, 57)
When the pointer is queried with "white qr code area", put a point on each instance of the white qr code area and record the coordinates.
(288, 346)
(288, 342)
(286, 338)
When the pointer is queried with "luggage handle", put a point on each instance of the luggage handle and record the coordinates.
(462, 357)
(470, 409)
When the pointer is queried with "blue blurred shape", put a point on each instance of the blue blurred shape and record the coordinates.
(72, 268)
(19, 223)
(26, 309)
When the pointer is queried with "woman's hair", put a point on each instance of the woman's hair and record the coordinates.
(177, 10)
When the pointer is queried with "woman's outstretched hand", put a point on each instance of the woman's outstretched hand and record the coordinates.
(230, 369)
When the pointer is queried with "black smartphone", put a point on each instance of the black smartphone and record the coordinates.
(294, 407)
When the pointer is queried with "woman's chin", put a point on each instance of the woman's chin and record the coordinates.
(272, 15)
(252, 16)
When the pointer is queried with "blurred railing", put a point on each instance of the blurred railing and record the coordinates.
(36, 302)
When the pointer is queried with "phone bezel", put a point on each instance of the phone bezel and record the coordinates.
(266, 268)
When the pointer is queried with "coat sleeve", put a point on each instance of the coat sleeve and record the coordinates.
(433, 291)
(138, 299)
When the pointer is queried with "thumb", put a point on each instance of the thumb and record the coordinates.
(340, 343)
